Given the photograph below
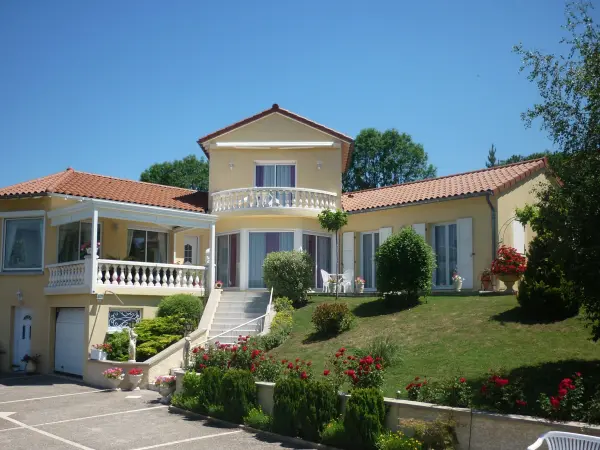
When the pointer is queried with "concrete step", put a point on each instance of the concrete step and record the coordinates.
(242, 308)
(236, 316)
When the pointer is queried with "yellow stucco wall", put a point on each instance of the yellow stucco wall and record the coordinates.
(268, 223)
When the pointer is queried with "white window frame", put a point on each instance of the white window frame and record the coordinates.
(275, 163)
(100, 253)
(373, 265)
(155, 230)
(23, 215)
(447, 238)
(110, 329)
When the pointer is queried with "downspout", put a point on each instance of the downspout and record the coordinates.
(494, 224)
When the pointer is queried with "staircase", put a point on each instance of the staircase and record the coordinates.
(236, 308)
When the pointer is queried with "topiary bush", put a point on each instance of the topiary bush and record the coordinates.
(238, 394)
(332, 318)
(405, 264)
(187, 306)
(364, 418)
(544, 292)
(119, 343)
(287, 404)
(289, 274)
(210, 387)
(318, 407)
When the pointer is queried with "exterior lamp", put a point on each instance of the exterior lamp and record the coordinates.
(19, 296)
(319, 165)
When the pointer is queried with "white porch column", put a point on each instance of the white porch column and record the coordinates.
(213, 260)
(244, 259)
(94, 245)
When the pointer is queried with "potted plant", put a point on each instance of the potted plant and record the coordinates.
(360, 284)
(135, 377)
(332, 283)
(486, 279)
(219, 285)
(100, 351)
(114, 376)
(166, 386)
(86, 249)
(31, 363)
(457, 281)
(508, 266)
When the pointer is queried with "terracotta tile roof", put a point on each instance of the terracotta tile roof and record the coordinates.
(494, 180)
(82, 184)
(276, 109)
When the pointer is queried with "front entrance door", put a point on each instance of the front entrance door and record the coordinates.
(191, 252)
(22, 334)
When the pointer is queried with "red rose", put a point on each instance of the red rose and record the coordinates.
(555, 402)
(326, 372)
(410, 386)
(378, 366)
(562, 392)
(283, 361)
(342, 350)
(463, 380)
(195, 350)
(309, 363)
(501, 382)
(297, 359)
(244, 348)
(252, 367)
(205, 357)
(521, 403)
(483, 389)
(304, 375)
(578, 374)
(290, 365)
(337, 355)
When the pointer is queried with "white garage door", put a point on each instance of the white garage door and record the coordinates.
(70, 341)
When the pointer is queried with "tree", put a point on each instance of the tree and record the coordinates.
(491, 161)
(189, 172)
(334, 221)
(381, 159)
(569, 109)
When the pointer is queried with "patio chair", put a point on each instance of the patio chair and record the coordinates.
(560, 440)
(325, 277)
(347, 280)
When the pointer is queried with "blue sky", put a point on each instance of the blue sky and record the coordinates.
(111, 87)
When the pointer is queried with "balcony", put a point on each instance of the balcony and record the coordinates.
(124, 277)
(266, 201)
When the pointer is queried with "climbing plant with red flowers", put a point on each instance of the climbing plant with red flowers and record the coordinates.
(509, 262)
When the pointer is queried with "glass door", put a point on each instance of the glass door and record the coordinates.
(369, 246)
(261, 244)
(319, 250)
(228, 259)
(445, 244)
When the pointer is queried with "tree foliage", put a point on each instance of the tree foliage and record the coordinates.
(334, 221)
(189, 173)
(289, 274)
(569, 87)
(381, 159)
(491, 159)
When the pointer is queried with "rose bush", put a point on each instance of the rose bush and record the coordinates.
(509, 262)
(567, 404)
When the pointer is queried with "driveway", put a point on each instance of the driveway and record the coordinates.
(52, 413)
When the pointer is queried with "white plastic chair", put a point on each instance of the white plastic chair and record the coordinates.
(325, 277)
(560, 440)
(347, 279)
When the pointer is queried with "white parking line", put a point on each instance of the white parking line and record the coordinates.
(188, 440)
(54, 396)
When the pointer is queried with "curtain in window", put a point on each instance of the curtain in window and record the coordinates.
(23, 243)
(156, 247)
(441, 272)
(223, 259)
(309, 245)
(260, 176)
(136, 240)
(285, 176)
(286, 242)
(68, 242)
(323, 257)
(258, 247)
(234, 255)
(367, 259)
(452, 250)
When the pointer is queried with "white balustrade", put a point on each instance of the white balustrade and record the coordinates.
(268, 197)
(66, 274)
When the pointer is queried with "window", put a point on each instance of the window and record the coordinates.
(261, 244)
(275, 175)
(445, 244)
(118, 319)
(147, 246)
(319, 250)
(72, 237)
(23, 244)
(228, 259)
(188, 252)
(369, 247)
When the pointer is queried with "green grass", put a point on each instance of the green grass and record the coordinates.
(457, 335)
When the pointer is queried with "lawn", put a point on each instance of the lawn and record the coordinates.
(457, 335)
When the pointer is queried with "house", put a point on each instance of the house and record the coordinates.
(270, 176)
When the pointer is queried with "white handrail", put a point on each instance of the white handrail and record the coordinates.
(152, 265)
(64, 264)
(233, 329)
(270, 301)
(277, 188)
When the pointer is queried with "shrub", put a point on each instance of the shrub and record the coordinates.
(405, 264)
(187, 306)
(453, 392)
(289, 274)
(281, 304)
(281, 327)
(287, 403)
(544, 292)
(119, 346)
(257, 419)
(334, 434)
(385, 348)
(332, 318)
(364, 418)
(568, 402)
(210, 387)
(238, 394)
(154, 335)
(501, 394)
(397, 441)
(437, 434)
(190, 397)
(149, 349)
(268, 370)
(318, 407)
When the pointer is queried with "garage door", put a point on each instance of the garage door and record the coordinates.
(70, 341)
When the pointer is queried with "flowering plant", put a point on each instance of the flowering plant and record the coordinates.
(567, 404)
(135, 371)
(509, 262)
(360, 280)
(103, 347)
(499, 394)
(165, 381)
(361, 372)
(218, 285)
(413, 389)
(486, 274)
(297, 369)
(114, 373)
(87, 245)
(456, 277)
(33, 358)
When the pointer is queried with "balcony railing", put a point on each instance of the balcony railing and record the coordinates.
(125, 277)
(273, 198)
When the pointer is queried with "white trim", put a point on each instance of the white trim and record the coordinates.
(154, 229)
(37, 270)
(22, 214)
(274, 162)
(271, 144)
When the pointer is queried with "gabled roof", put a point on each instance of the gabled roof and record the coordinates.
(89, 185)
(275, 109)
(495, 180)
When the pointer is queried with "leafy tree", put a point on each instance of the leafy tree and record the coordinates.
(189, 172)
(334, 221)
(491, 161)
(569, 88)
(381, 159)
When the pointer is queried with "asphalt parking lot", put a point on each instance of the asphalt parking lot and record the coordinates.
(54, 413)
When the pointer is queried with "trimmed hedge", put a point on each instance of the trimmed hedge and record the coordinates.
(200, 392)
(290, 274)
(364, 418)
(238, 394)
(287, 403)
(187, 306)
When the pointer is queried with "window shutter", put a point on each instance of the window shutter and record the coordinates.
(518, 237)
(348, 250)
(465, 250)
(420, 229)
(384, 233)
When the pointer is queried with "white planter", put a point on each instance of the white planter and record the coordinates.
(31, 367)
(114, 383)
(458, 285)
(98, 354)
(360, 288)
(135, 381)
(166, 392)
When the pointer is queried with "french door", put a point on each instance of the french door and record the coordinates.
(369, 245)
(445, 244)
(228, 259)
(261, 244)
(319, 250)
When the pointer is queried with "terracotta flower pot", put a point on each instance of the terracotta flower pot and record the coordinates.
(487, 284)
(509, 280)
